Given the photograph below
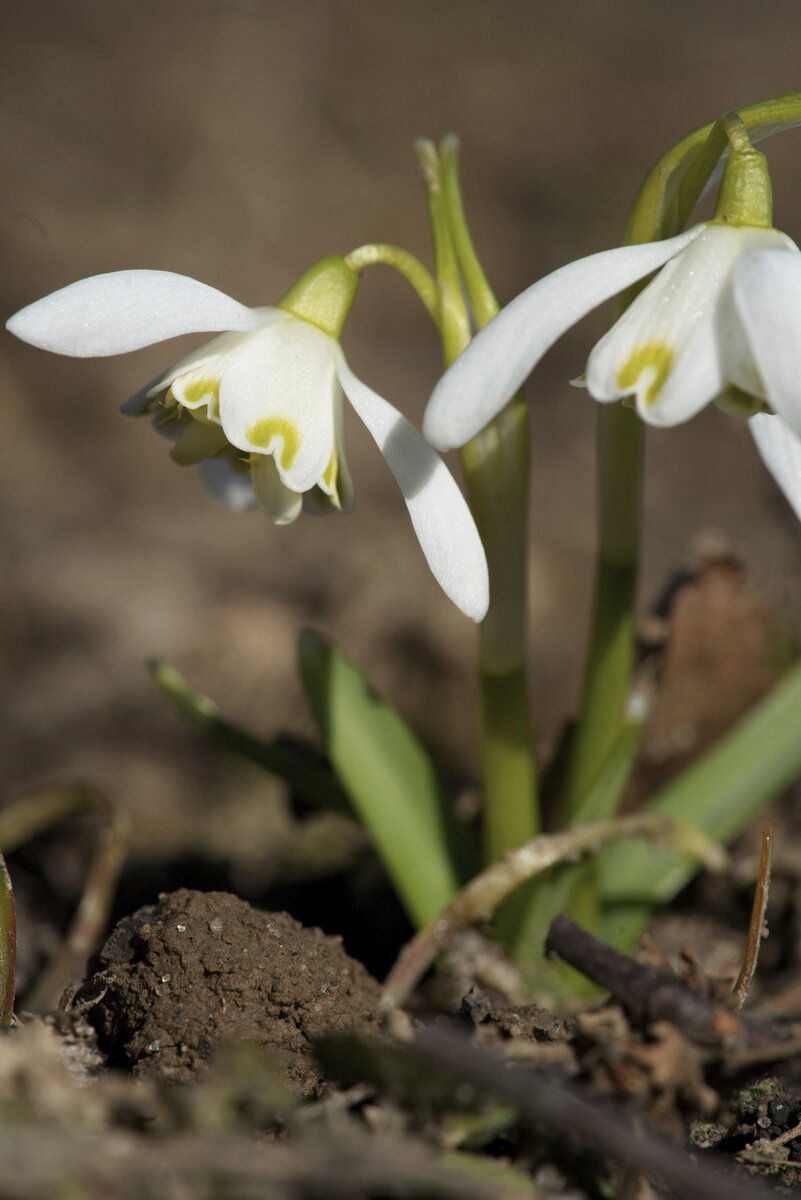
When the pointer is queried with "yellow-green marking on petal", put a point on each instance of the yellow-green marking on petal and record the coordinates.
(262, 433)
(329, 481)
(203, 391)
(659, 356)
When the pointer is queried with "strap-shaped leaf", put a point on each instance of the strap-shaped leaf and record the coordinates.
(719, 794)
(390, 779)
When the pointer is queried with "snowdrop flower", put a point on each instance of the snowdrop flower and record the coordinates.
(260, 407)
(720, 321)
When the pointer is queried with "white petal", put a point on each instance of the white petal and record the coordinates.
(273, 497)
(767, 293)
(489, 372)
(441, 518)
(781, 453)
(277, 396)
(125, 310)
(232, 487)
(211, 354)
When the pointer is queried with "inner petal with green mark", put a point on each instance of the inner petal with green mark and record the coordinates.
(655, 357)
(329, 481)
(265, 433)
(194, 393)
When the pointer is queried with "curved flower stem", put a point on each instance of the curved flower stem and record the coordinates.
(661, 209)
(495, 465)
(410, 267)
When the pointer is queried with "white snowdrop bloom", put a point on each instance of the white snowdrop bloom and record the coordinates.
(262, 403)
(721, 319)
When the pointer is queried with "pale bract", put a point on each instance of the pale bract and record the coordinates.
(260, 408)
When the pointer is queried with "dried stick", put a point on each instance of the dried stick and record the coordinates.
(569, 1116)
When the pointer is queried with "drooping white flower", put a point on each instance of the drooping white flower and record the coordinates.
(264, 400)
(723, 314)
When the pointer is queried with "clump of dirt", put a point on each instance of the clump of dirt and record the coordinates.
(199, 968)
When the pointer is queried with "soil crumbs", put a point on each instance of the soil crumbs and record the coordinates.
(197, 969)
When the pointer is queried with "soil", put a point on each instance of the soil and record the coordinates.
(196, 969)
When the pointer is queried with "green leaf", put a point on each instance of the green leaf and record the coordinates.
(719, 794)
(390, 779)
(572, 887)
(299, 766)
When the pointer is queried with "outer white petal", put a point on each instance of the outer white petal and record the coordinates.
(212, 354)
(767, 293)
(278, 395)
(440, 516)
(125, 310)
(781, 453)
(491, 369)
(232, 487)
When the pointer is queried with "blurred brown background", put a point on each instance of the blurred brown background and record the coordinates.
(238, 142)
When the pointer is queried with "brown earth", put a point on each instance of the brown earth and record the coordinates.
(196, 969)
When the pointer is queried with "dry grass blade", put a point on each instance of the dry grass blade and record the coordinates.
(482, 895)
(756, 926)
(38, 810)
(8, 946)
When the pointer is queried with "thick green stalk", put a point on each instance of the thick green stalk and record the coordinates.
(496, 470)
(610, 654)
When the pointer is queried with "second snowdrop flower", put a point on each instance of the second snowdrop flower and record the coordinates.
(721, 321)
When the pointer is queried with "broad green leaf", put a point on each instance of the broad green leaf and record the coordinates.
(389, 778)
(719, 794)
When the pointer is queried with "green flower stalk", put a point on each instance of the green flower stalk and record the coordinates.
(496, 468)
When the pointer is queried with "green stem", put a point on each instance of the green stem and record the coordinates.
(610, 654)
(406, 264)
(676, 181)
(496, 468)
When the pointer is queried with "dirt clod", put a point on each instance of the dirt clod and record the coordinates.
(198, 968)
